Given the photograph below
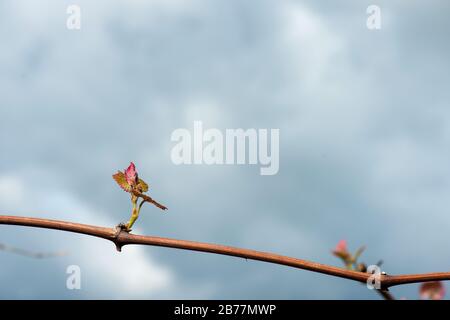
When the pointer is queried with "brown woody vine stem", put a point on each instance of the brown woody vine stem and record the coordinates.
(121, 238)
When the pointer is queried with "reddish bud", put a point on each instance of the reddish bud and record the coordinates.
(342, 252)
(131, 174)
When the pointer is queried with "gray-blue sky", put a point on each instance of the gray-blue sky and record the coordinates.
(364, 123)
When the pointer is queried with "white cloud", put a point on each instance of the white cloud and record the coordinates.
(310, 43)
(205, 110)
(11, 191)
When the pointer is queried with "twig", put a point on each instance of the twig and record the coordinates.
(30, 254)
(386, 294)
(121, 238)
(148, 199)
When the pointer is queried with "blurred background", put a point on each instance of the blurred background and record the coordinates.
(364, 125)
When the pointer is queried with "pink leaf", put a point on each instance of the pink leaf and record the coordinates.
(131, 174)
(433, 290)
(341, 247)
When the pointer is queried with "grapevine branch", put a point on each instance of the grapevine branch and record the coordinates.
(121, 238)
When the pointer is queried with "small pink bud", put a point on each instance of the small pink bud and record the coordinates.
(433, 290)
(341, 252)
(341, 247)
(131, 174)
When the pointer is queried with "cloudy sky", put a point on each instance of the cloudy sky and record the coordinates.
(364, 132)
